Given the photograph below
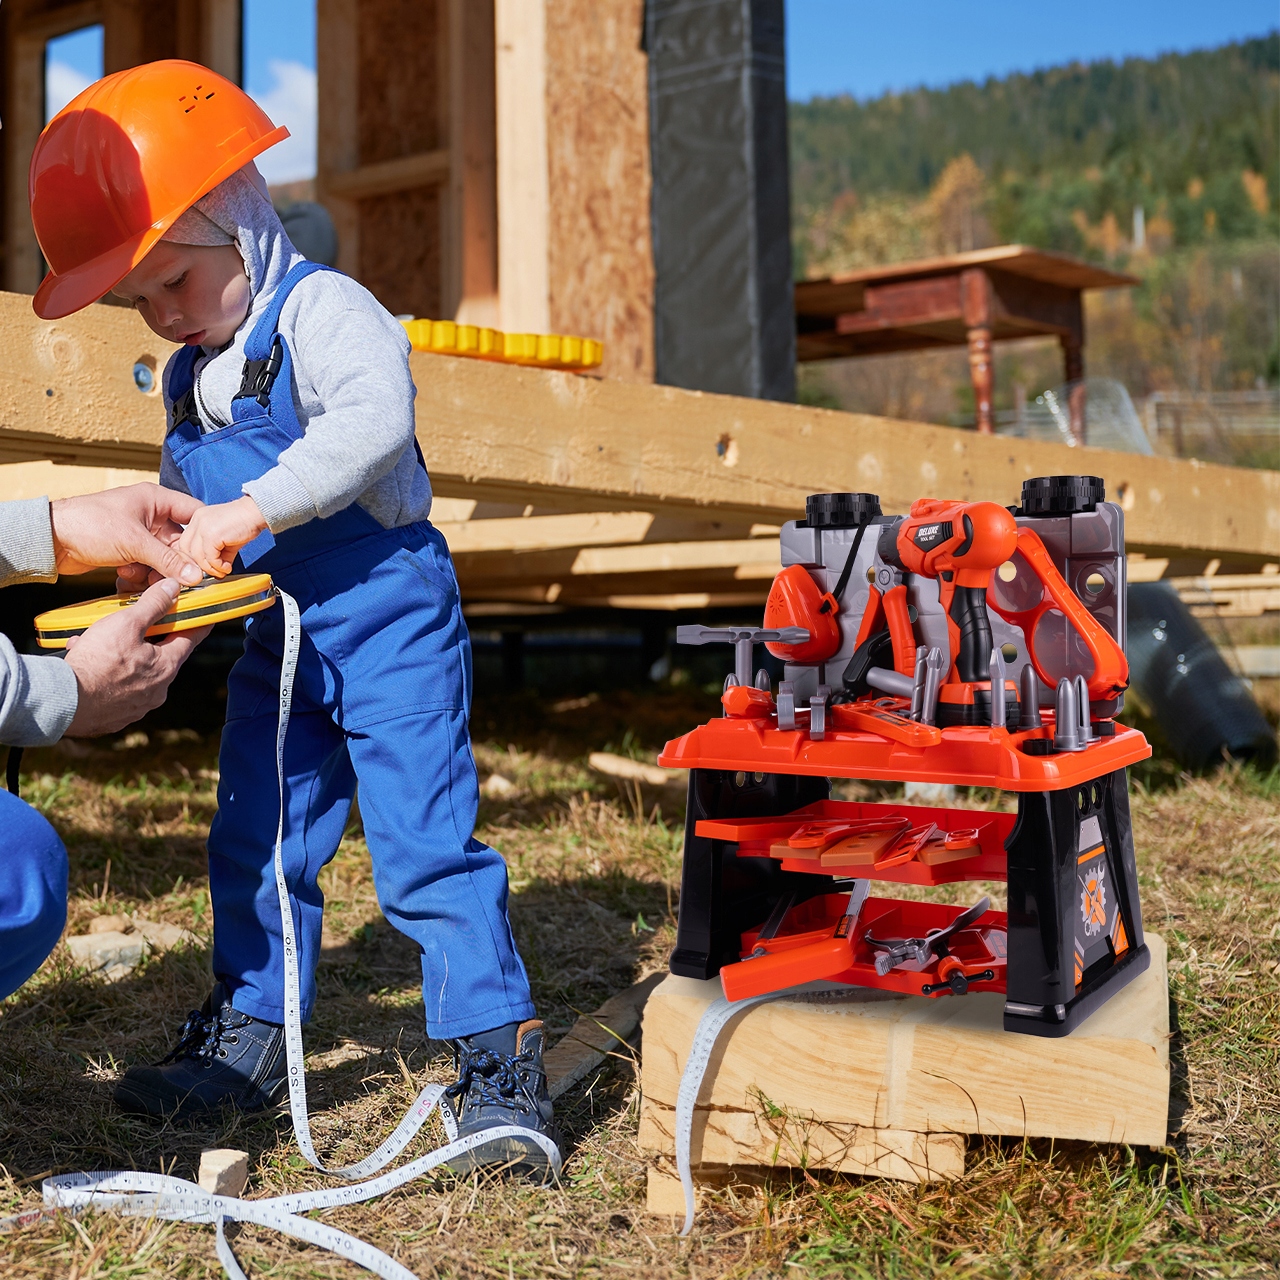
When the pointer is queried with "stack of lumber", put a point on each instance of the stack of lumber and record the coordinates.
(865, 1082)
(558, 490)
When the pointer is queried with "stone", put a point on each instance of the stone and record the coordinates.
(160, 936)
(615, 766)
(496, 787)
(111, 956)
(111, 924)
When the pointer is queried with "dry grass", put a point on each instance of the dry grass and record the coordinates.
(594, 872)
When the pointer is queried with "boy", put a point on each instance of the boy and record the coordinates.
(290, 412)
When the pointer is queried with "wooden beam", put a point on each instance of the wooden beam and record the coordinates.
(427, 168)
(523, 179)
(337, 122)
(527, 436)
(545, 533)
(470, 267)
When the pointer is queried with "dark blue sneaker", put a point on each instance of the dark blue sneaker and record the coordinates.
(223, 1058)
(500, 1088)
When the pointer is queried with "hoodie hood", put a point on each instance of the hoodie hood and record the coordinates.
(241, 209)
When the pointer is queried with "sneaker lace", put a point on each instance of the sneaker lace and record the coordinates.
(486, 1078)
(200, 1037)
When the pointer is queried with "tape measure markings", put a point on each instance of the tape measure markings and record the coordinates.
(156, 1195)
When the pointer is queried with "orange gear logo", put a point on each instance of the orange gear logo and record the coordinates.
(1093, 901)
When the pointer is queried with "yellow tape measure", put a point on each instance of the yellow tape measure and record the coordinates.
(213, 600)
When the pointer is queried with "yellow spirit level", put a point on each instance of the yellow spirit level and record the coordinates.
(213, 600)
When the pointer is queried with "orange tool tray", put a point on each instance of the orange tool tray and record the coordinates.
(755, 837)
(982, 946)
(967, 755)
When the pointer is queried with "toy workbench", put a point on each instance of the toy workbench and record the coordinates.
(965, 643)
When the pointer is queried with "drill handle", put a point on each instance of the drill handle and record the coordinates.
(969, 628)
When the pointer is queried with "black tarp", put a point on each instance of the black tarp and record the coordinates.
(724, 318)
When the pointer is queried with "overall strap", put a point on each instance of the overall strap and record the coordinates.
(182, 388)
(258, 347)
(264, 351)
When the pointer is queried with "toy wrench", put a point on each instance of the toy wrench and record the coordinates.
(891, 952)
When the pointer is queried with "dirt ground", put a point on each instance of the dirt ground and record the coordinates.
(595, 877)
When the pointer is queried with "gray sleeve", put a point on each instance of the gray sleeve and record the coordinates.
(26, 542)
(356, 356)
(38, 698)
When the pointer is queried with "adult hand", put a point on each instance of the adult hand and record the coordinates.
(135, 529)
(121, 674)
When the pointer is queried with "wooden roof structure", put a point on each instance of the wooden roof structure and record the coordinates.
(964, 299)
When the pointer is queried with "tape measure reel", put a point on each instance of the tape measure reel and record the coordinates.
(213, 600)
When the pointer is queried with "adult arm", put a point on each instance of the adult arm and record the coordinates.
(41, 698)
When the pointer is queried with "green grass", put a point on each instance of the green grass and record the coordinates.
(595, 878)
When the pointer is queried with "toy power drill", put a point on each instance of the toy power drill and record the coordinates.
(959, 544)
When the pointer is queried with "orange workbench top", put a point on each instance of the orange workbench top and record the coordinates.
(968, 755)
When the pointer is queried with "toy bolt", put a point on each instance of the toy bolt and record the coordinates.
(1030, 694)
(1066, 728)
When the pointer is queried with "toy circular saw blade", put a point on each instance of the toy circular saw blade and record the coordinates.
(210, 601)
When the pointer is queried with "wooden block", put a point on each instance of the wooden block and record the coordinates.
(664, 1194)
(847, 1059)
(770, 1136)
(223, 1171)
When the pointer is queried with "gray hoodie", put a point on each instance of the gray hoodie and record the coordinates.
(351, 386)
(38, 696)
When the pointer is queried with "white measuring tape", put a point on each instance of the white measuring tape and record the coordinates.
(153, 1195)
(719, 1013)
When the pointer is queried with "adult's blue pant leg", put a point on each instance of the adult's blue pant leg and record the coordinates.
(248, 949)
(436, 882)
(33, 891)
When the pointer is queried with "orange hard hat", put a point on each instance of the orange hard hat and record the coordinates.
(122, 161)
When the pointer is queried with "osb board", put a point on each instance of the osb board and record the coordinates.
(400, 250)
(399, 79)
(601, 262)
(926, 1065)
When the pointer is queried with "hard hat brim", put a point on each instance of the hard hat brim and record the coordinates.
(72, 291)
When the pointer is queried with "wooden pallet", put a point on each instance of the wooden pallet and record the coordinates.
(860, 1082)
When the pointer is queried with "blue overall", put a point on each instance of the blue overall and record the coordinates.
(382, 695)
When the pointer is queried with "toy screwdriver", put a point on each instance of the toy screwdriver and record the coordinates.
(213, 600)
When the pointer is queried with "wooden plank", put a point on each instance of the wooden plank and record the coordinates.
(916, 1064)
(528, 436)
(337, 124)
(523, 179)
(611, 1029)
(470, 267)
(425, 169)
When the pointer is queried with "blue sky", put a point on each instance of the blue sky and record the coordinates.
(860, 47)
(869, 47)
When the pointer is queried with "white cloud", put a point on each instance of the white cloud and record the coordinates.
(291, 101)
(61, 84)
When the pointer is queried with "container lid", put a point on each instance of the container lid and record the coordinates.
(840, 510)
(1061, 495)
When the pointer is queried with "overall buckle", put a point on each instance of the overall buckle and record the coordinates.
(260, 375)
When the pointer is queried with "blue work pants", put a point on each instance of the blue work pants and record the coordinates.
(33, 891)
(381, 696)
